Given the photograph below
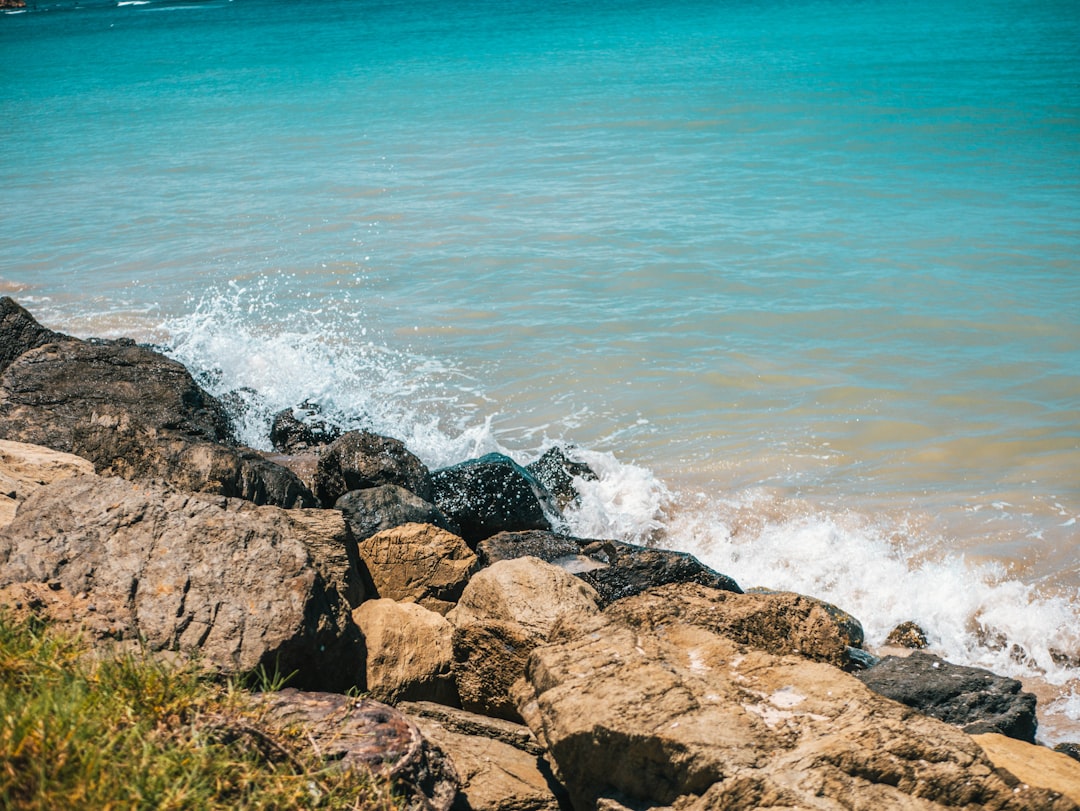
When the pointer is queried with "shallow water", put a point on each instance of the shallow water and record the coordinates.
(799, 279)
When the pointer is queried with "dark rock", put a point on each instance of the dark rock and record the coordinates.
(20, 332)
(556, 472)
(547, 546)
(241, 586)
(971, 698)
(632, 569)
(907, 635)
(358, 733)
(136, 414)
(492, 494)
(1070, 749)
(360, 459)
(378, 508)
(288, 434)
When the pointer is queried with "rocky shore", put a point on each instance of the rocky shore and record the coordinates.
(505, 664)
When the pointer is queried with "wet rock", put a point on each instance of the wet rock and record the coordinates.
(1070, 749)
(489, 656)
(24, 468)
(501, 766)
(360, 459)
(242, 586)
(418, 563)
(556, 472)
(1034, 765)
(409, 652)
(632, 569)
(547, 546)
(291, 435)
(380, 508)
(907, 635)
(492, 494)
(362, 734)
(971, 698)
(20, 332)
(644, 715)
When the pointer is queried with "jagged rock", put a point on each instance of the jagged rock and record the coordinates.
(136, 414)
(1069, 749)
(557, 473)
(359, 733)
(409, 652)
(492, 494)
(501, 766)
(290, 435)
(782, 623)
(971, 698)
(652, 714)
(360, 459)
(380, 508)
(1032, 764)
(547, 546)
(20, 332)
(489, 656)
(418, 563)
(632, 569)
(242, 586)
(907, 635)
(526, 591)
(24, 468)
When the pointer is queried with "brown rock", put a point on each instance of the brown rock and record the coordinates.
(418, 563)
(24, 468)
(19, 331)
(674, 714)
(355, 733)
(360, 459)
(501, 766)
(244, 586)
(489, 656)
(907, 635)
(1032, 764)
(409, 652)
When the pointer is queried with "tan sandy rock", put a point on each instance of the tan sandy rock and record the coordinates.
(24, 468)
(1033, 764)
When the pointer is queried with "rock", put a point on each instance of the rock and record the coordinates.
(782, 623)
(526, 591)
(1033, 765)
(244, 587)
(489, 656)
(418, 563)
(1069, 749)
(557, 473)
(907, 635)
(359, 733)
(971, 698)
(19, 331)
(547, 546)
(381, 508)
(360, 459)
(492, 494)
(292, 436)
(409, 652)
(24, 468)
(12, 3)
(135, 413)
(500, 764)
(678, 715)
(632, 569)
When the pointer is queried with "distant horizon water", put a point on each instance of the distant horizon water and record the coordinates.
(800, 280)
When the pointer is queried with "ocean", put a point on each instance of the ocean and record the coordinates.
(799, 279)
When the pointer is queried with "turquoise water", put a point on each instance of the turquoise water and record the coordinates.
(800, 278)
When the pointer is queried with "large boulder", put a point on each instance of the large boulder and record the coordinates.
(20, 332)
(409, 652)
(136, 414)
(501, 766)
(292, 435)
(241, 586)
(24, 468)
(679, 715)
(971, 698)
(492, 494)
(361, 459)
(366, 735)
(547, 546)
(379, 508)
(418, 563)
(1035, 765)
(489, 656)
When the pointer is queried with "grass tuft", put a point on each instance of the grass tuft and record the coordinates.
(124, 732)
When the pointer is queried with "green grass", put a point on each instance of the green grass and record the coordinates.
(125, 732)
